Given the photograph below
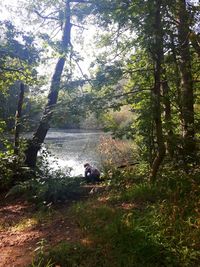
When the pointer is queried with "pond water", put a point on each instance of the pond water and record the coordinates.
(73, 148)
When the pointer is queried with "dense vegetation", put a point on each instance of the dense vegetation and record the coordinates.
(143, 87)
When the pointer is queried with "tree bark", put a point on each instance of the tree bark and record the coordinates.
(34, 145)
(187, 97)
(18, 116)
(167, 114)
(195, 40)
(158, 48)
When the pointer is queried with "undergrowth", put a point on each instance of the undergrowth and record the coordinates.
(45, 185)
(137, 224)
(44, 191)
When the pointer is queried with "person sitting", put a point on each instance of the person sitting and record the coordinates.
(92, 174)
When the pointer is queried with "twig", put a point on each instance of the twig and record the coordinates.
(79, 67)
(55, 31)
(11, 69)
(45, 17)
(81, 1)
(76, 25)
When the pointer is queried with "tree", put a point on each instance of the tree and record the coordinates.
(156, 91)
(156, 27)
(187, 94)
(39, 136)
(18, 119)
(19, 58)
(64, 20)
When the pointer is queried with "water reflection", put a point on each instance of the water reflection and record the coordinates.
(73, 148)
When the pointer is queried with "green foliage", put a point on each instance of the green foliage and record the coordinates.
(17, 57)
(39, 261)
(44, 185)
(137, 66)
(43, 191)
(32, 110)
(107, 75)
(75, 255)
(156, 229)
(12, 169)
(71, 255)
(70, 109)
(138, 224)
(119, 123)
(143, 192)
(162, 228)
(127, 241)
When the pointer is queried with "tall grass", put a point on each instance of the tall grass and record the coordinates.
(115, 153)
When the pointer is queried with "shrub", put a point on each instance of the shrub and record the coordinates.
(114, 153)
(51, 189)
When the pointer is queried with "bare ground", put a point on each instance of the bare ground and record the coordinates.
(21, 229)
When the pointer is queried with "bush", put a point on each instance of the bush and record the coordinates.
(12, 171)
(51, 189)
(114, 154)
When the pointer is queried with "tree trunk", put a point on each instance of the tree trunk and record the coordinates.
(177, 74)
(18, 118)
(167, 114)
(195, 40)
(34, 145)
(157, 56)
(187, 97)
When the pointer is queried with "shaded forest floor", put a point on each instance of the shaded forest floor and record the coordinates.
(24, 229)
(132, 225)
(21, 230)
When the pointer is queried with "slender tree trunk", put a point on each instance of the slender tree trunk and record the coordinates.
(187, 97)
(34, 145)
(158, 48)
(151, 143)
(177, 74)
(18, 118)
(178, 91)
(167, 114)
(195, 40)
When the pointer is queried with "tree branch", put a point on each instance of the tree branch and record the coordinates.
(80, 69)
(81, 1)
(79, 26)
(45, 17)
(11, 69)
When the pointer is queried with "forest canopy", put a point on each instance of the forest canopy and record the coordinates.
(99, 56)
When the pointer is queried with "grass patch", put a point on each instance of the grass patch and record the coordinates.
(142, 193)
(124, 235)
(161, 229)
(71, 255)
(24, 224)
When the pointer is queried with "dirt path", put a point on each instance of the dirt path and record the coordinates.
(22, 227)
